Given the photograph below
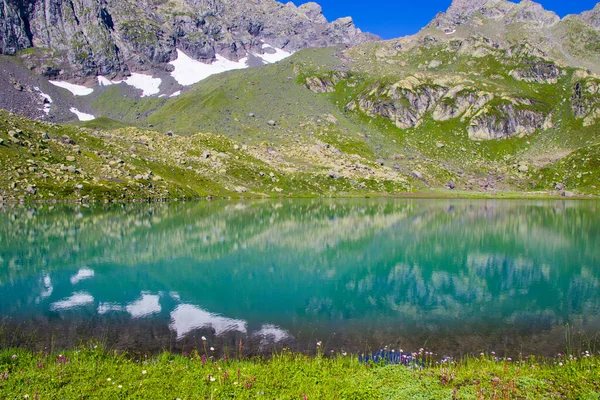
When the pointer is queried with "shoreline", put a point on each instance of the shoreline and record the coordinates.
(434, 195)
(92, 372)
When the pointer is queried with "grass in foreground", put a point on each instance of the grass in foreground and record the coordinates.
(95, 374)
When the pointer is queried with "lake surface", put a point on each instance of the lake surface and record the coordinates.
(452, 276)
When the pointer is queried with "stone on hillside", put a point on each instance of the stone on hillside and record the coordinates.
(251, 115)
(72, 169)
(271, 123)
(79, 186)
(45, 136)
(451, 185)
(70, 158)
(206, 155)
(67, 140)
(440, 145)
(170, 133)
(30, 189)
(417, 174)
(1, 142)
(523, 168)
(434, 64)
(236, 147)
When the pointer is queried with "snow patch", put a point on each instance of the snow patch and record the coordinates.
(149, 304)
(81, 115)
(76, 300)
(188, 71)
(77, 90)
(271, 58)
(187, 318)
(146, 83)
(177, 93)
(82, 275)
(48, 101)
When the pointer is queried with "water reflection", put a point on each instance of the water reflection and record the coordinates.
(454, 276)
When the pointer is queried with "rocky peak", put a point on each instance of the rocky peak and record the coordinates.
(461, 11)
(98, 37)
(592, 17)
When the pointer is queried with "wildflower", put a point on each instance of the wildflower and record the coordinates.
(120, 386)
(560, 364)
(481, 354)
(14, 356)
(493, 353)
(108, 380)
(144, 372)
(319, 343)
(212, 349)
(212, 379)
(26, 396)
(344, 353)
(204, 338)
(235, 383)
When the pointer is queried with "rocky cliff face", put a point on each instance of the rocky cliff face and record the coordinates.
(410, 102)
(111, 37)
(592, 17)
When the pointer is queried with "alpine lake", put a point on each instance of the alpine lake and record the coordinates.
(455, 277)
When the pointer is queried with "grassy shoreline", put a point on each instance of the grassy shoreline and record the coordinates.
(434, 195)
(94, 373)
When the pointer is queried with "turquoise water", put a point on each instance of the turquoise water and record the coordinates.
(452, 276)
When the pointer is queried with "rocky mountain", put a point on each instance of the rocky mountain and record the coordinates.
(79, 39)
(490, 97)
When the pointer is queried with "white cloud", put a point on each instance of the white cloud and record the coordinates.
(272, 334)
(82, 274)
(78, 299)
(105, 308)
(186, 318)
(147, 305)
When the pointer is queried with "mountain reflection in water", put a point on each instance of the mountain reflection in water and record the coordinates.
(455, 276)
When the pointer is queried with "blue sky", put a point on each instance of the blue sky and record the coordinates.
(394, 18)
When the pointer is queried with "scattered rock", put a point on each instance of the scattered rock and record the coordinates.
(72, 169)
(523, 168)
(45, 136)
(67, 140)
(380, 162)
(170, 133)
(450, 185)
(440, 145)
(70, 158)
(417, 174)
(271, 123)
(251, 115)
(30, 189)
(79, 186)
(236, 147)
(566, 193)
(206, 155)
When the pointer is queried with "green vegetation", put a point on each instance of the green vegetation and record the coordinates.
(94, 373)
